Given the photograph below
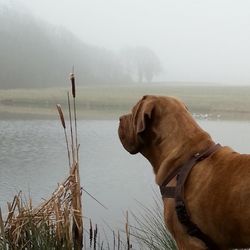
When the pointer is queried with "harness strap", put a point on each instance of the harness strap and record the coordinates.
(192, 229)
(177, 192)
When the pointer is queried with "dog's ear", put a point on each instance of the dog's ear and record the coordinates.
(144, 116)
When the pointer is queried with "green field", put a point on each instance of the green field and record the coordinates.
(109, 102)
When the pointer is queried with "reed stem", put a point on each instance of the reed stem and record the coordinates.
(71, 129)
(127, 232)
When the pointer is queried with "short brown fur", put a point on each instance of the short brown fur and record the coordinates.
(217, 192)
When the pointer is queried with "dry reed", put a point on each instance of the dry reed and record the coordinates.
(56, 223)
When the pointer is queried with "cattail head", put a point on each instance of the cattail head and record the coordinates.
(59, 108)
(72, 79)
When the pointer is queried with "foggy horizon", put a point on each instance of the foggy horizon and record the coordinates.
(196, 41)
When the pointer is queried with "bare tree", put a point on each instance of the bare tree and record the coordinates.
(141, 63)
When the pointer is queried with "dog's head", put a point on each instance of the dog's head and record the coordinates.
(150, 120)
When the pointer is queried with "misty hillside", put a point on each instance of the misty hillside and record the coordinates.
(35, 54)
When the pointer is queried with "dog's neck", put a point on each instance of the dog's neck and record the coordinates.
(165, 157)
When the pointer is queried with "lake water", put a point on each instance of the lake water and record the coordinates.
(33, 158)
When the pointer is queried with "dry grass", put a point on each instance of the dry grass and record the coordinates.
(56, 223)
(50, 223)
(108, 102)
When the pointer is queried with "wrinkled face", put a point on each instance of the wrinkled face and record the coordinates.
(133, 126)
(127, 130)
(127, 134)
(150, 115)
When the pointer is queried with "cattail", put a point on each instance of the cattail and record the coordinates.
(71, 129)
(59, 108)
(90, 233)
(72, 79)
(95, 235)
(118, 247)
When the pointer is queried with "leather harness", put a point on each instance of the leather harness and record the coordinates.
(177, 193)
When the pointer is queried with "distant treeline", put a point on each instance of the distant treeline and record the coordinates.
(36, 54)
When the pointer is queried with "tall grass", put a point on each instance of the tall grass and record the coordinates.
(149, 231)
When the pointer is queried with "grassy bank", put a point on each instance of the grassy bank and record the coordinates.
(109, 102)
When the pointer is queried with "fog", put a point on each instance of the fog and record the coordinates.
(195, 41)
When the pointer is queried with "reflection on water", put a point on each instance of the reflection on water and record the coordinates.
(235, 134)
(34, 159)
(31, 157)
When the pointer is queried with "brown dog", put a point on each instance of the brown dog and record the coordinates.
(217, 191)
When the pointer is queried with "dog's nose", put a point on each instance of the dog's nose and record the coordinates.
(121, 117)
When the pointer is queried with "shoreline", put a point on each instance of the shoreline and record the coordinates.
(98, 115)
(110, 102)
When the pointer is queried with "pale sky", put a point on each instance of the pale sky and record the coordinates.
(196, 40)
